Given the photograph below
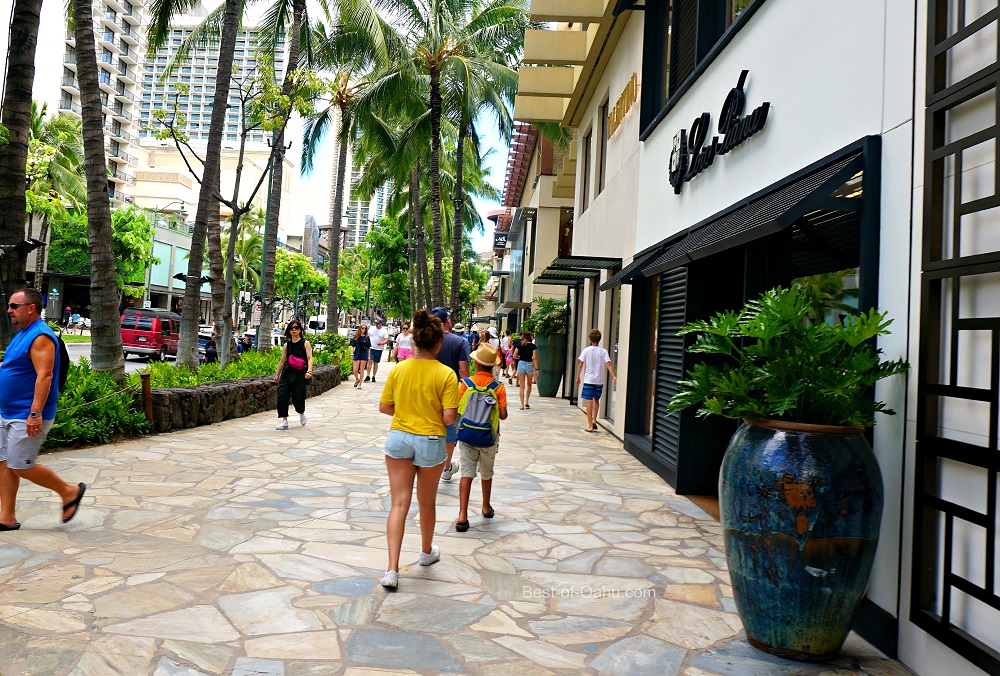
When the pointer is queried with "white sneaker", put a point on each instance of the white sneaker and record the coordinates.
(283, 425)
(302, 419)
(391, 579)
(449, 471)
(427, 559)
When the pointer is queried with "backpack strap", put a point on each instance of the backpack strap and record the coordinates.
(469, 383)
(493, 385)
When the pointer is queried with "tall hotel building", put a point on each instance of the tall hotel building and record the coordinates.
(119, 28)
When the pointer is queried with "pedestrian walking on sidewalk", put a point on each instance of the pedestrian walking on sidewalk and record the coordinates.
(421, 395)
(590, 370)
(362, 345)
(505, 353)
(526, 355)
(454, 353)
(29, 390)
(379, 337)
(482, 404)
(294, 373)
(404, 343)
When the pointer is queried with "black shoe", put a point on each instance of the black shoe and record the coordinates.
(461, 526)
(367, 379)
(373, 379)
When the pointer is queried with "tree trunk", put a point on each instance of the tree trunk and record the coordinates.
(105, 328)
(217, 271)
(227, 347)
(458, 229)
(16, 116)
(422, 281)
(187, 348)
(41, 252)
(333, 241)
(277, 173)
(409, 258)
(437, 290)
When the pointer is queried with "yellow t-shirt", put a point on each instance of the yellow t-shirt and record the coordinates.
(420, 389)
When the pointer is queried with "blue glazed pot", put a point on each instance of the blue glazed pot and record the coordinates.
(801, 507)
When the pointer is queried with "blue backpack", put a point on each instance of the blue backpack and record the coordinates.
(480, 414)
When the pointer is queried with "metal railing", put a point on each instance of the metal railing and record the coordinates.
(69, 105)
(70, 82)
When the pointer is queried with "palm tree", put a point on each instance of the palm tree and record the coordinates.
(105, 328)
(483, 76)
(15, 116)
(277, 21)
(161, 12)
(62, 181)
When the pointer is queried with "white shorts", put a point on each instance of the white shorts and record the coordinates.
(17, 449)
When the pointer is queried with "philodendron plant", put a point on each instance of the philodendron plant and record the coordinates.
(778, 363)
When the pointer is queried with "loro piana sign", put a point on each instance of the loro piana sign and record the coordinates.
(625, 102)
(691, 155)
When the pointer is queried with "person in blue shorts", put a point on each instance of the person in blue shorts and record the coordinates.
(590, 370)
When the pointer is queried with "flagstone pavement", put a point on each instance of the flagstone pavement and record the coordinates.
(238, 549)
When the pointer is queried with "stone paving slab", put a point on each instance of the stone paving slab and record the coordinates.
(239, 549)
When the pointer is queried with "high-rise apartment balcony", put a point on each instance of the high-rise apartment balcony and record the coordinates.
(564, 63)
(125, 95)
(69, 84)
(69, 107)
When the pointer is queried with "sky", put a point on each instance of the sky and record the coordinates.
(315, 188)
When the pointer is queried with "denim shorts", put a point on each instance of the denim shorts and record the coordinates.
(591, 391)
(424, 451)
(451, 433)
(525, 368)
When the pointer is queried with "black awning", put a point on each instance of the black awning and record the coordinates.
(632, 270)
(765, 215)
(583, 262)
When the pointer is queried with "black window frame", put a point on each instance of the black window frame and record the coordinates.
(711, 37)
(588, 148)
(602, 146)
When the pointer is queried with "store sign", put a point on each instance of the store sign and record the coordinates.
(691, 155)
(500, 240)
(625, 102)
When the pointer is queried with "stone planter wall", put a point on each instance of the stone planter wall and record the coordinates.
(182, 407)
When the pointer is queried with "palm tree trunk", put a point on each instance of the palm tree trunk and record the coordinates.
(16, 116)
(216, 270)
(458, 229)
(422, 281)
(41, 252)
(437, 291)
(409, 259)
(333, 241)
(187, 348)
(226, 347)
(277, 172)
(105, 329)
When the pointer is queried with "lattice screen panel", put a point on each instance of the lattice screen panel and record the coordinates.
(955, 566)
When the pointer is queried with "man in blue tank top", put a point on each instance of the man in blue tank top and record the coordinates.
(28, 395)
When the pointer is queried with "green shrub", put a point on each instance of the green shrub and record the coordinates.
(550, 317)
(93, 410)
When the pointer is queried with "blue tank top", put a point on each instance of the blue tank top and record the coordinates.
(17, 375)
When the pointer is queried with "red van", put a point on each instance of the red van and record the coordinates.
(150, 332)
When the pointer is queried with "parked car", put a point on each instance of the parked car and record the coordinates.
(150, 332)
(317, 324)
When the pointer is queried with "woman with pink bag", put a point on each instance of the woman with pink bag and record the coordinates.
(294, 370)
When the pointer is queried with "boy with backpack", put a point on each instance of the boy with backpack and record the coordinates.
(482, 404)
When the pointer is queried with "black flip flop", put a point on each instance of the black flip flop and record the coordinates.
(461, 526)
(4, 527)
(492, 513)
(74, 503)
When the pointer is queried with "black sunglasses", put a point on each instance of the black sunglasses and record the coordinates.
(14, 306)
(294, 328)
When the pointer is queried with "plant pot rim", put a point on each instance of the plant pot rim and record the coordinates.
(789, 426)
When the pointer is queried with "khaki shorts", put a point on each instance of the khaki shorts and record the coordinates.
(476, 455)
(17, 449)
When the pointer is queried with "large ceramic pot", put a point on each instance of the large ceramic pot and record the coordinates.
(551, 362)
(801, 507)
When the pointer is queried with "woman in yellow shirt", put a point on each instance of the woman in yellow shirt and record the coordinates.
(421, 395)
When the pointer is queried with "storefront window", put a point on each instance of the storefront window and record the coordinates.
(611, 343)
(654, 325)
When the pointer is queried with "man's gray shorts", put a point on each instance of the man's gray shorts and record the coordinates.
(17, 449)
